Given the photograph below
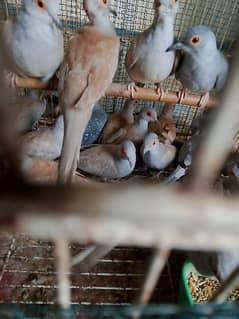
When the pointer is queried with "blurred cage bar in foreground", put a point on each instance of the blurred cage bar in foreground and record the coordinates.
(131, 215)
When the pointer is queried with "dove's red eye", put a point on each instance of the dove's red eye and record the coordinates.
(149, 114)
(195, 40)
(41, 4)
(123, 151)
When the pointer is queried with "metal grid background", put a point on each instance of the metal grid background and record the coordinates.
(28, 274)
(136, 15)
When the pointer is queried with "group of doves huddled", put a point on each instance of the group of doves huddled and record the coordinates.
(34, 47)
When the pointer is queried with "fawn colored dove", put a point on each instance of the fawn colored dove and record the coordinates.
(109, 161)
(155, 154)
(34, 42)
(45, 143)
(136, 131)
(87, 71)
(147, 60)
(203, 67)
(119, 119)
(165, 127)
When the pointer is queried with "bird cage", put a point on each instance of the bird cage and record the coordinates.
(138, 225)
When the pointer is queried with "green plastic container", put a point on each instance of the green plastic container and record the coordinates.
(185, 297)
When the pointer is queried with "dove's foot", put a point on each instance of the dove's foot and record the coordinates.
(181, 95)
(204, 100)
(132, 88)
(11, 79)
(159, 91)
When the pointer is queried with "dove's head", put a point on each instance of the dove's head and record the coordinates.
(166, 7)
(197, 39)
(128, 151)
(98, 12)
(149, 114)
(44, 10)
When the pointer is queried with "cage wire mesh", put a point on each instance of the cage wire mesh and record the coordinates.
(22, 267)
(133, 17)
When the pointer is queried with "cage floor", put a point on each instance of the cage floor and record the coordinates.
(28, 274)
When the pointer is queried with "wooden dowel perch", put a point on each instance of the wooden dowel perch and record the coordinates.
(121, 90)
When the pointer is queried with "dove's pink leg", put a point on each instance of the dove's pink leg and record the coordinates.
(159, 91)
(132, 87)
(204, 100)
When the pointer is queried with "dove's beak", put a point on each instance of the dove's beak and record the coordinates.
(176, 46)
(113, 12)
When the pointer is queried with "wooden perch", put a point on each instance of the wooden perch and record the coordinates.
(121, 90)
(132, 215)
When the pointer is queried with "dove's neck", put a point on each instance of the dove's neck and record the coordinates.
(143, 125)
(104, 25)
(164, 22)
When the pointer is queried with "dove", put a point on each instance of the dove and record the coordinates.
(109, 161)
(45, 143)
(185, 158)
(165, 126)
(29, 110)
(155, 154)
(203, 67)
(136, 131)
(87, 71)
(147, 60)
(119, 119)
(34, 42)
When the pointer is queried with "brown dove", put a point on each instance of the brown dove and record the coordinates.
(45, 143)
(119, 119)
(165, 125)
(147, 60)
(87, 71)
(109, 161)
(136, 131)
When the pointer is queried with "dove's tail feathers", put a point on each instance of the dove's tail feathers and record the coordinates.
(75, 122)
(175, 176)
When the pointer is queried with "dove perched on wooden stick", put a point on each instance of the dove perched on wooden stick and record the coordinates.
(165, 125)
(119, 119)
(109, 161)
(136, 131)
(88, 69)
(203, 67)
(147, 60)
(34, 42)
(155, 154)
(45, 143)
